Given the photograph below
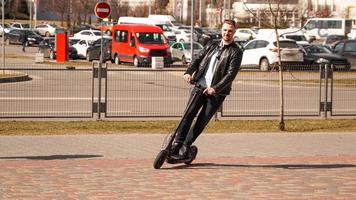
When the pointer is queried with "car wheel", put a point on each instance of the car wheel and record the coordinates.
(264, 64)
(47, 34)
(184, 60)
(117, 60)
(136, 62)
(181, 40)
(52, 55)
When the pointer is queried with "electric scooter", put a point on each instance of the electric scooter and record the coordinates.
(165, 152)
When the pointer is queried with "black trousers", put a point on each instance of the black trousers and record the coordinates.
(203, 108)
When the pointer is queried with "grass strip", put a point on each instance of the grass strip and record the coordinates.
(164, 127)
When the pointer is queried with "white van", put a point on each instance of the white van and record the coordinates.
(167, 31)
(322, 27)
(169, 19)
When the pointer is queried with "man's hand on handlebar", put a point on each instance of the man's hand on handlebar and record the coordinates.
(209, 91)
(188, 78)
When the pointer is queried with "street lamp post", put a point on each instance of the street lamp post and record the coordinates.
(149, 7)
(30, 14)
(192, 29)
(3, 33)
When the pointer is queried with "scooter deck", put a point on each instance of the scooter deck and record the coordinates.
(188, 160)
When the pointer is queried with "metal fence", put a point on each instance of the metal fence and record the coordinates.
(60, 91)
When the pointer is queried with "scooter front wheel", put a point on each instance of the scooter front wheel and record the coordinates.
(160, 158)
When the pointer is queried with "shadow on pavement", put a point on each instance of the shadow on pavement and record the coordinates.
(282, 166)
(51, 157)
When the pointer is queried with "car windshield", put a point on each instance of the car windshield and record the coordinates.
(195, 46)
(33, 33)
(97, 33)
(286, 44)
(73, 41)
(296, 37)
(350, 47)
(98, 42)
(150, 38)
(26, 25)
(164, 27)
(316, 49)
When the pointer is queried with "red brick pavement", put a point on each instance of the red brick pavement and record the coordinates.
(298, 177)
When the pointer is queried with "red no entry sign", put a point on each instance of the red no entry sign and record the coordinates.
(102, 10)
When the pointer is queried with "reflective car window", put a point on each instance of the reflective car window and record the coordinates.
(286, 44)
(350, 47)
(251, 45)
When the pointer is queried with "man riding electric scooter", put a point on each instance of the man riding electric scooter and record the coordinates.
(214, 69)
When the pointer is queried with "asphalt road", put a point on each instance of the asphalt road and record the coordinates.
(56, 91)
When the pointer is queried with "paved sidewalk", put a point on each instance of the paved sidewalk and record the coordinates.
(228, 166)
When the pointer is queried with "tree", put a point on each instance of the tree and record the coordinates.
(161, 5)
(275, 13)
(60, 6)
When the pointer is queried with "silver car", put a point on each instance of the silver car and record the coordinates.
(181, 51)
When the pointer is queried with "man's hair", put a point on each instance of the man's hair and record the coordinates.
(230, 22)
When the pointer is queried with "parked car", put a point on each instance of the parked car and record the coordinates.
(89, 35)
(4, 29)
(82, 47)
(14, 35)
(299, 38)
(94, 51)
(352, 34)
(346, 48)
(263, 53)
(181, 51)
(138, 43)
(46, 30)
(73, 41)
(244, 34)
(206, 36)
(106, 26)
(48, 48)
(332, 39)
(184, 35)
(17, 25)
(313, 54)
(75, 29)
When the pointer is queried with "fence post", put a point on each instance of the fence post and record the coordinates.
(326, 74)
(100, 72)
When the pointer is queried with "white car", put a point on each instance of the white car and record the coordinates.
(46, 29)
(4, 30)
(82, 47)
(352, 34)
(17, 25)
(185, 36)
(244, 34)
(299, 38)
(89, 35)
(181, 51)
(263, 53)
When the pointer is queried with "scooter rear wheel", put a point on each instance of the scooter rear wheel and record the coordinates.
(160, 158)
(194, 152)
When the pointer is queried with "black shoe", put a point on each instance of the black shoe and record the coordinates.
(183, 153)
(175, 148)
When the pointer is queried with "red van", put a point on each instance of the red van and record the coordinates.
(138, 44)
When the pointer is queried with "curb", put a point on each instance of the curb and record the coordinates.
(16, 78)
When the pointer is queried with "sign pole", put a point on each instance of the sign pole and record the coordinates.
(102, 10)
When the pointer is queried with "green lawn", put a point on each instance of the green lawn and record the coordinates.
(163, 127)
